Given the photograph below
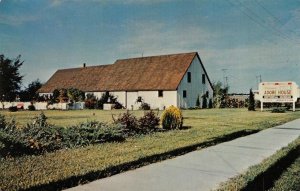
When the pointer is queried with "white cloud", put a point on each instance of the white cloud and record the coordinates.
(16, 19)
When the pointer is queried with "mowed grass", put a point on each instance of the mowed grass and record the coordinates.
(290, 179)
(205, 125)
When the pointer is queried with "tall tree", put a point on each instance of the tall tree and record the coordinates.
(10, 78)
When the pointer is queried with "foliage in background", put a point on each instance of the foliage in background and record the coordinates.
(13, 109)
(198, 102)
(204, 101)
(10, 78)
(30, 93)
(145, 106)
(210, 104)
(251, 106)
(90, 101)
(220, 95)
(75, 95)
(172, 118)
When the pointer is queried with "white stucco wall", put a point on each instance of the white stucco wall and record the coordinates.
(151, 97)
(195, 88)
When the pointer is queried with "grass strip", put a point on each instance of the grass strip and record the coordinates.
(290, 179)
(263, 175)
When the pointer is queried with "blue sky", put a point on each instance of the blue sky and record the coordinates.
(247, 38)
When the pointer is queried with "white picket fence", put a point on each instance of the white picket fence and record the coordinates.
(43, 105)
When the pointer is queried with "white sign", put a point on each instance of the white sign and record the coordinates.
(278, 92)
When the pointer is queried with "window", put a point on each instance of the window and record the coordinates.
(207, 94)
(189, 77)
(139, 99)
(184, 93)
(203, 78)
(160, 93)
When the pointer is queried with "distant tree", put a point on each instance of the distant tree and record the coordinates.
(198, 102)
(30, 93)
(220, 95)
(204, 101)
(75, 95)
(251, 106)
(210, 103)
(10, 78)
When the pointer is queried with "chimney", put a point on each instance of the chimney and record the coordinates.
(84, 65)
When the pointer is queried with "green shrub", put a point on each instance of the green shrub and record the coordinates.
(149, 121)
(172, 118)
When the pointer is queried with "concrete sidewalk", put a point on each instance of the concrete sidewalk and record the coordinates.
(204, 169)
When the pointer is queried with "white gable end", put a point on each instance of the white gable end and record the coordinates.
(192, 85)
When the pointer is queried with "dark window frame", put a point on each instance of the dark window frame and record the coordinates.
(160, 93)
(184, 94)
(189, 77)
(203, 78)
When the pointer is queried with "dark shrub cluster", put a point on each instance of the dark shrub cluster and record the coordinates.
(13, 109)
(91, 102)
(145, 106)
(31, 107)
(133, 125)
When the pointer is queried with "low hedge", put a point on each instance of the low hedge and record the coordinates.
(39, 136)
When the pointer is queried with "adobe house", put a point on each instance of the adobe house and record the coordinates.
(161, 81)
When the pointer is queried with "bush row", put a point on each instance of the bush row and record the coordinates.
(39, 136)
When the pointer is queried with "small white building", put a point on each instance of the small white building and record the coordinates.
(161, 81)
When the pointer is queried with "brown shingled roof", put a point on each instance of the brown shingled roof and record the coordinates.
(146, 73)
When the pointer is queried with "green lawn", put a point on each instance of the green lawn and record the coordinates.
(206, 125)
